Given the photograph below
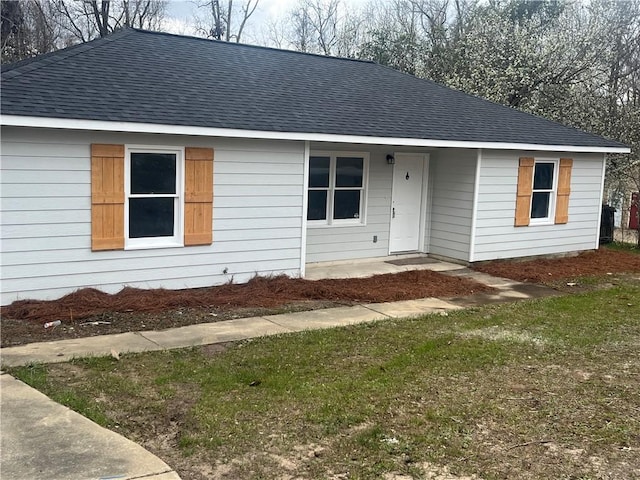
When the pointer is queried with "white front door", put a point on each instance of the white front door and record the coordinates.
(406, 203)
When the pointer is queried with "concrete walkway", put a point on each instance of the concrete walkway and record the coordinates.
(44, 440)
(41, 439)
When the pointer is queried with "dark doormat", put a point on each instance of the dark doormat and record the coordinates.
(412, 261)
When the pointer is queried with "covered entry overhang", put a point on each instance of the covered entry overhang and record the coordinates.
(401, 200)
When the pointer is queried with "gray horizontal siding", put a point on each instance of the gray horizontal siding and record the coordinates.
(452, 184)
(496, 237)
(46, 216)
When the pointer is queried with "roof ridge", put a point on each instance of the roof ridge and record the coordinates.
(248, 45)
(12, 70)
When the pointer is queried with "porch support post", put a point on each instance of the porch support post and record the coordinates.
(474, 211)
(305, 195)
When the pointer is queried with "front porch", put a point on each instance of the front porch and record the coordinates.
(379, 200)
(505, 289)
(367, 267)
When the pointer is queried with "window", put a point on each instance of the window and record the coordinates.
(544, 188)
(153, 193)
(319, 170)
(139, 195)
(543, 198)
(336, 190)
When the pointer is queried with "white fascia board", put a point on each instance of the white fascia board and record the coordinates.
(132, 127)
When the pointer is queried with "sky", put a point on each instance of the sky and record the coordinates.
(185, 8)
(180, 14)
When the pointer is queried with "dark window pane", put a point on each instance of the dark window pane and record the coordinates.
(349, 172)
(151, 217)
(319, 172)
(153, 173)
(543, 176)
(540, 205)
(347, 204)
(317, 205)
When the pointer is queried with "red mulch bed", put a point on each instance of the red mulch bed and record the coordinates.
(593, 263)
(262, 292)
(90, 312)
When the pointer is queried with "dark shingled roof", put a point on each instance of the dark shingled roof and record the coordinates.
(140, 76)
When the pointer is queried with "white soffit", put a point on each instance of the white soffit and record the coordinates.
(132, 127)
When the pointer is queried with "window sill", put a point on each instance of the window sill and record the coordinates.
(311, 224)
(539, 222)
(150, 246)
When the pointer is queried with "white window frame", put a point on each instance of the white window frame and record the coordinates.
(362, 215)
(553, 193)
(177, 240)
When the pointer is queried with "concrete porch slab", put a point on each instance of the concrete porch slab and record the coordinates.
(421, 260)
(369, 267)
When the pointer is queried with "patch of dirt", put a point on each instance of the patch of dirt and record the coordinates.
(547, 270)
(22, 331)
(90, 312)
(430, 471)
(497, 333)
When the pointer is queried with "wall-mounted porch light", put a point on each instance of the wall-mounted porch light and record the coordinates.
(391, 159)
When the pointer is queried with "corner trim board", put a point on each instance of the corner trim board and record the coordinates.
(305, 188)
(474, 208)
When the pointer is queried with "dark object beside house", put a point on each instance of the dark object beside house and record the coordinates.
(634, 217)
(606, 224)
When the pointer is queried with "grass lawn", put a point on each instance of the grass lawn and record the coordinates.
(536, 389)
(623, 247)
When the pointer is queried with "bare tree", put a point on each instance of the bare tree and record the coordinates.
(14, 31)
(392, 38)
(351, 33)
(274, 33)
(301, 33)
(88, 19)
(323, 17)
(225, 20)
(323, 26)
(28, 29)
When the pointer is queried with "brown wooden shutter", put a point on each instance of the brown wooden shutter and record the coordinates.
(564, 190)
(198, 201)
(107, 197)
(525, 188)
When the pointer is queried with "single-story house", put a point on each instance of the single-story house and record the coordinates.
(156, 160)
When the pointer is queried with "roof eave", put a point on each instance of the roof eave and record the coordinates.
(133, 127)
